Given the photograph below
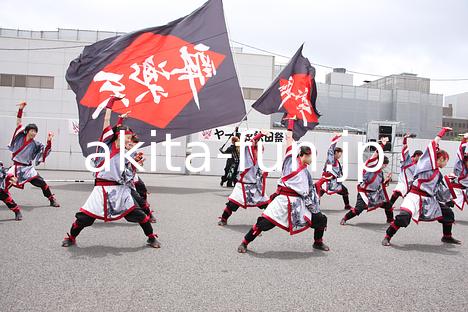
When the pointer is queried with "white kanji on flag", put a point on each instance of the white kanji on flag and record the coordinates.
(150, 77)
(301, 98)
(198, 66)
(304, 105)
(286, 92)
(112, 83)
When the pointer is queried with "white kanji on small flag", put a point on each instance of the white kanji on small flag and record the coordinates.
(301, 98)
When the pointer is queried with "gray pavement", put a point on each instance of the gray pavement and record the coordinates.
(199, 269)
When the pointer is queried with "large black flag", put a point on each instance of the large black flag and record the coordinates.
(178, 78)
(294, 93)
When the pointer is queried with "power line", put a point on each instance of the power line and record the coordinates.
(41, 49)
(276, 54)
(243, 44)
(331, 67)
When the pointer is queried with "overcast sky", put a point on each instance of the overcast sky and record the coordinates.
(428, 37)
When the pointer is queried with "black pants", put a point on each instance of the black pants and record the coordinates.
(8, 200)
(319, 223)
(141, 188)
(404, 219)
(231, 179)
(231, 207)
(394, 198)
(140, 201)
(343, 192)
(226, 171)
(137, 216)
(361, 206)
(39, 182)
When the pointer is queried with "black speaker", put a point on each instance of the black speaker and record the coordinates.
(386, 131)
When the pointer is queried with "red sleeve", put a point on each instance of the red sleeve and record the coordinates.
(47, 150)
(432, 151)
(257, 137)
(119, 121)
(405, 151)
(106, 134)
(373, 160)
(462, 149)
(15, 134)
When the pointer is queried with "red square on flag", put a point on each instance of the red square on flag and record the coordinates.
(158, 75)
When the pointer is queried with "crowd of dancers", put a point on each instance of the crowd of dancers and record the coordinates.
(427, 194)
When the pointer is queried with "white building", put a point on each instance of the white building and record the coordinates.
(32, 69)
(339, 77)
(33, 66)
(459, 104)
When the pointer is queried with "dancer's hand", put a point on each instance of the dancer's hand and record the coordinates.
(384, 140)
(125, 115)
(50, 136)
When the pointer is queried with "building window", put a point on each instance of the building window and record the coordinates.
(47, 82)
(33, 81)
(26, 81)
(252, 93)
(6, 80)
(19, 81)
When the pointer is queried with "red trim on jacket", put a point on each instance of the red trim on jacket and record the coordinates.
(301, 166)
(46, 150)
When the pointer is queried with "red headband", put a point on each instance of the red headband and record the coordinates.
(125, 133)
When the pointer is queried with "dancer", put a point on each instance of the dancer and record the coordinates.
(232, 163)
(295, 205)
(5, 183)
(250, 187)
(111, 198)
(430, 196)
(406, 176)
(27, 152)
(332, 171)
(372, 191)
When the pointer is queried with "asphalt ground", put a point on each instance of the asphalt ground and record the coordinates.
(199, 269)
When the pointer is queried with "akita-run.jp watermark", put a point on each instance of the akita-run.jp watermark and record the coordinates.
(126, 156)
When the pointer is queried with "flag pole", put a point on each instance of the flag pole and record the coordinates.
(238, 125)
(244, 118)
